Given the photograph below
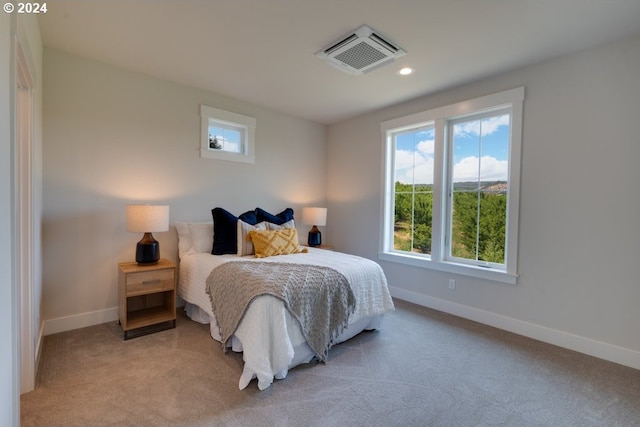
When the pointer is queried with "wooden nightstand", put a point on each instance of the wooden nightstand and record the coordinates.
(325, 247)
(146, 297)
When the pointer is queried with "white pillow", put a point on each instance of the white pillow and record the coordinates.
(184, 238)
(194, 237)
(288, 224)
(202, 236)
(245, 247)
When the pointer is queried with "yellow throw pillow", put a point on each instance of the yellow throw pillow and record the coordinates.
(275, 242)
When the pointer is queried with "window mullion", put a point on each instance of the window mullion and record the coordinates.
(389, 189)
(413, 200)
(478, 188)
(439, 192)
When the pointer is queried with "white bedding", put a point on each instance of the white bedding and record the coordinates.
(271, 349)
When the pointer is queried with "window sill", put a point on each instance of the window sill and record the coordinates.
(450, 267)
(222, 155)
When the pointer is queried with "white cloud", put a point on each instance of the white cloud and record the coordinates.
(415, 167)
(489, 126)
(418, 166)
(404, 160)
(492, 169)
(426, 147)
(424, 172)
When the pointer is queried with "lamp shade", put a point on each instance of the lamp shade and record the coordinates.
(314, 216)
(147, 218)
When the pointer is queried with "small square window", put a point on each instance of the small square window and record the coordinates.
(226, 136)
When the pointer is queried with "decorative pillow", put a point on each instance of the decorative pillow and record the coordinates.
(278, 219)
(194, 237)
(245, 245)
(225, 230)
(275, 242)
(288, 224)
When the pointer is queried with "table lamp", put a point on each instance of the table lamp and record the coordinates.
(314, 217)
(147, 219)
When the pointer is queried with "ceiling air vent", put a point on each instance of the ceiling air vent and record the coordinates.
(360, 52)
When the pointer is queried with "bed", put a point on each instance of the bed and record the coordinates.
(271, 348)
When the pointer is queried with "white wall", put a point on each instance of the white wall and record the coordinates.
(31, 327)
(114, 137)
(32, 30)
(580, 205)
(26, 27)
(9, 385)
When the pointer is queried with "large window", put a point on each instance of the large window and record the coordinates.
(451, 187)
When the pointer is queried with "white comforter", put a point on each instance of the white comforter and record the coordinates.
(268, 347)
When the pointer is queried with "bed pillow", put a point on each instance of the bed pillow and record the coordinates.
(194, 237)
(275, 242)
(279, 218)
(288, 224)
(184, 239)
(245, 245)
(201, 236)
(225, 230)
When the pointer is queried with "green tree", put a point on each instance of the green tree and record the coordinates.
(403, 202)
(493, 215)
(413, 216)
(422, 238)
(479, 222)
(422, 217)
(465, 224)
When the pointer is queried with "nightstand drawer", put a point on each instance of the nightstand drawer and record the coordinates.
(150, 281)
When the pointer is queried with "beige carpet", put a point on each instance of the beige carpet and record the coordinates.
(423, 368)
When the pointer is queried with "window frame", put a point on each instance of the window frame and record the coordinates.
(440, 117)
(245, 125)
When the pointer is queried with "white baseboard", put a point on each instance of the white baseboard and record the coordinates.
(82, 320)
(39, 346)
(601, 350)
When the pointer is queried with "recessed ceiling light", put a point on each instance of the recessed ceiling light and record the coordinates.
(405, 71)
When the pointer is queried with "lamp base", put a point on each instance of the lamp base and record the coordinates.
(315, 237)
(147, 250)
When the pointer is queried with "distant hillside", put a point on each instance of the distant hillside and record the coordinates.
(485, 186)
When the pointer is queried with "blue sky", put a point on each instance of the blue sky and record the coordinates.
(415, 150)
(229, 138)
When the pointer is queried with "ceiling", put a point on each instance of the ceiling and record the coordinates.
(263, 51)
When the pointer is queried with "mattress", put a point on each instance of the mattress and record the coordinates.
(270, 350)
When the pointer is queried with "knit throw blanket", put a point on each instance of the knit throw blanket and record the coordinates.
(319, 298)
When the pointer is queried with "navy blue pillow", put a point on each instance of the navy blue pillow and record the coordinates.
(249, 217)
(225, 230)
(279, 218)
